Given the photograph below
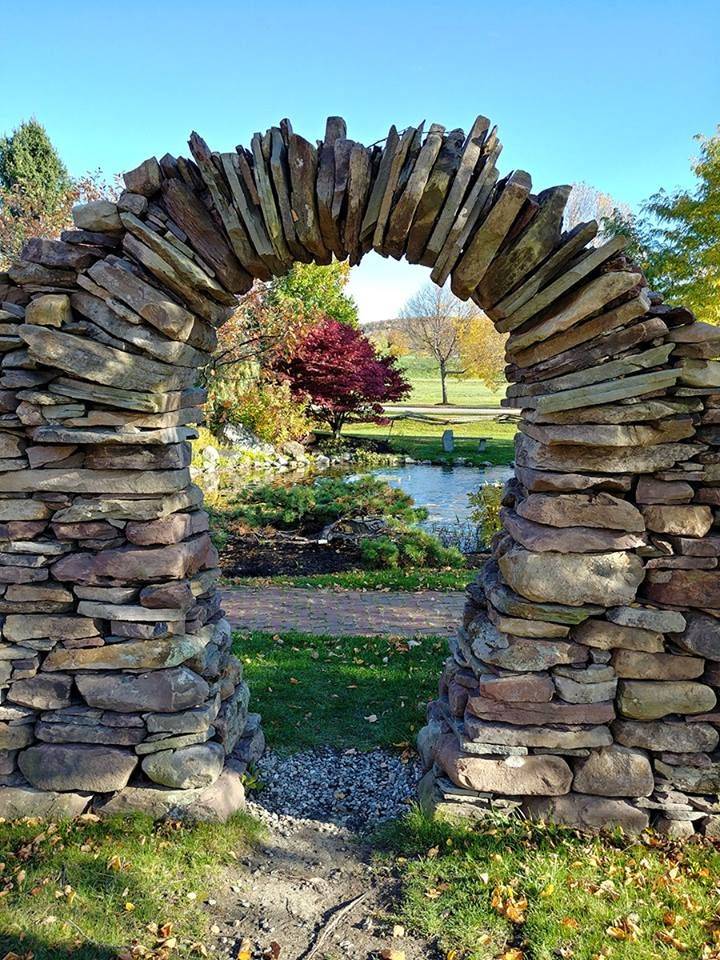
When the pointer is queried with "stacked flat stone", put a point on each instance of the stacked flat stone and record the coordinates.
(582, 684)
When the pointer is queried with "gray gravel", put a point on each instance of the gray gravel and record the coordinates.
(342, 789)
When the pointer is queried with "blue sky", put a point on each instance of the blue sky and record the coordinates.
(607, 92)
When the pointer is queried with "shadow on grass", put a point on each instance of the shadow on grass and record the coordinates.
(33, 947)
(552, 892)
(92, 890)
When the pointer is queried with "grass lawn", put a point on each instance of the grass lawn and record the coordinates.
(423, 375)
(421, 578)
(343, 692)
(519, 891)
(423, 441)
(115, 888)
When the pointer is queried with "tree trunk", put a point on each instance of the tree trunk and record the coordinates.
(443, 387)
(336, 427)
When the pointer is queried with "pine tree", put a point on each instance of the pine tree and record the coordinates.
(30, 162)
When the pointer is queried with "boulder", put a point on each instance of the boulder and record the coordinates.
(689, 520)
(77, 767)
(507, 602)
(525, 687)
(556, 712)
(58, 732)
(19, 802)
(42, 692)
(573, 578)
(572, 690)
(673, 736)
(542, 537)
(170, 562)
(511, 776)
(99, 216)
(635, 665)
(194, 720)
(648, 618)
(614, 771)
(426, 741)
(691, 779)
(652, 700)
(20, 627)
(683, 588)
(603, 635)
(15, 736)
(158, 691)
(520, 653)
(196, 766)
(582, 510)
(214, 804)
(651, 490)
(551, 738)
(130, 655)
(701, 637)
(49, 310)
(583, 812)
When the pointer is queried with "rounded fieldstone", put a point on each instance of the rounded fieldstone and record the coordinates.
(17, 802)
(74, 766)
(186, 768)
(510, 776)
(654, 699)
(586, 812)
(614, 772)
(43, 691)
(159, 691)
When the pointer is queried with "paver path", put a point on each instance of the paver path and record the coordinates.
(343, 612)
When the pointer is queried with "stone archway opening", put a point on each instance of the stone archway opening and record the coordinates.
(582, 682)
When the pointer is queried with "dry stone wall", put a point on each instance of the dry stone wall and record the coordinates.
(582, 683)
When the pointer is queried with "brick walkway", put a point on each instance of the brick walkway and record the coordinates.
(343, 612)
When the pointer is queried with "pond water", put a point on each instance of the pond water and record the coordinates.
(443, 491)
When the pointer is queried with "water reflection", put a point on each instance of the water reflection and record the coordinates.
(443, 491)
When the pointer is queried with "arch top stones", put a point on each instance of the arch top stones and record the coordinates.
(582, 683)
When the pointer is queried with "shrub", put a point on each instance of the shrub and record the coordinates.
(267, 409)
(486, 503)
(310, 506)
(408, 547)
(380, 553)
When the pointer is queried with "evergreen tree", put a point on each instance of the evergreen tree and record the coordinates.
(29, 161)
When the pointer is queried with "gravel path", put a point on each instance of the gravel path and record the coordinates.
(343, 612)
(347, 790)
(314, 867)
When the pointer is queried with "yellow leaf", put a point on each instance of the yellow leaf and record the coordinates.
(129, 906)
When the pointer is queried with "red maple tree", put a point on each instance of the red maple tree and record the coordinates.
(342, 374)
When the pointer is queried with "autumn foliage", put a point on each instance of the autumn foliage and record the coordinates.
(342, 374)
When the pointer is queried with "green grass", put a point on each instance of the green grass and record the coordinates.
(90, 890)
(550, 893)
(423, 374)
(411, 580)
(423, 441)
(360, 692)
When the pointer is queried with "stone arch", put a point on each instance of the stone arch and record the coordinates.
(589, 642)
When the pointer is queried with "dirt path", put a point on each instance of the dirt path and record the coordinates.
(295, 884)
(343, 612)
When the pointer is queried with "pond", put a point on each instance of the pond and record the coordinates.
(443, 491)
